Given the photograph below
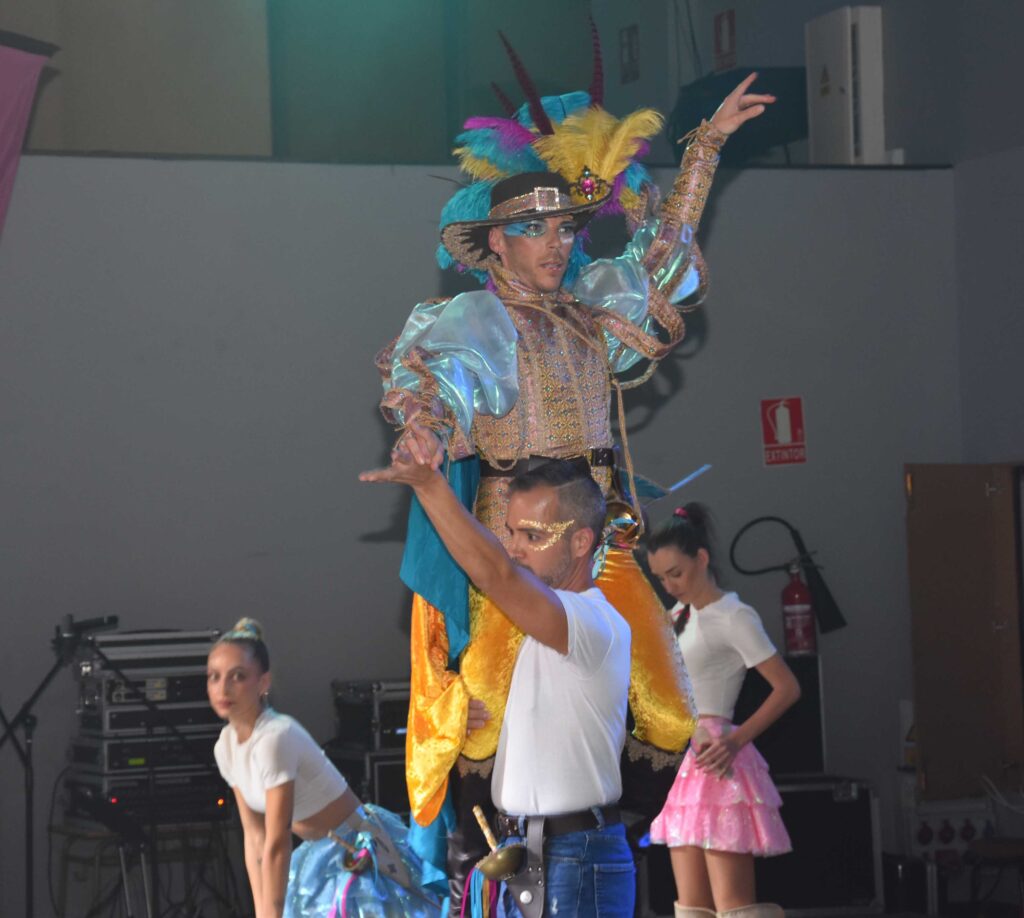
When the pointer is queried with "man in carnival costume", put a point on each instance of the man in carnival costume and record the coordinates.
(523, 371)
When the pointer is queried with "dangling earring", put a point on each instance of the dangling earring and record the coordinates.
(265, 699)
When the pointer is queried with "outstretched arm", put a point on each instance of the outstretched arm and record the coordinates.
(531, 605)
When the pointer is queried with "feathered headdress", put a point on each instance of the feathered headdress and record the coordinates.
(571, 135)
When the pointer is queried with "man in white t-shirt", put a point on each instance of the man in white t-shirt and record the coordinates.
(556, 778)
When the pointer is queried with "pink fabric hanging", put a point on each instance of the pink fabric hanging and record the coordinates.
(19, 73)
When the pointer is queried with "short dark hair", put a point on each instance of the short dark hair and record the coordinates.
(579, 496)
(689, 529)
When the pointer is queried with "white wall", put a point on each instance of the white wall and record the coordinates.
(189, 76)
(989, 240)
(989, 35)
(188, 393)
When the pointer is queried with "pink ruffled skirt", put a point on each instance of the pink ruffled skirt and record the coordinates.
(738, 813)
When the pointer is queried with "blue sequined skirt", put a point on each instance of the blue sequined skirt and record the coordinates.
(321, 883)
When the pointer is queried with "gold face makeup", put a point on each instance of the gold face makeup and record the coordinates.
(553, 531)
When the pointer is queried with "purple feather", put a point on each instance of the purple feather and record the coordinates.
(614, 203)
(511, 134)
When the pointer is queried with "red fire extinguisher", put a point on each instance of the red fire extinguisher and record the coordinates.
(798, 615)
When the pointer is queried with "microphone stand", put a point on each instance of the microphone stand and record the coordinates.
(152, 886)
(64, 645)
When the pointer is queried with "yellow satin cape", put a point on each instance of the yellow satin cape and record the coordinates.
(659, 695)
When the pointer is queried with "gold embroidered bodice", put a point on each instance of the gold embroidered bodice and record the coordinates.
(564, 392)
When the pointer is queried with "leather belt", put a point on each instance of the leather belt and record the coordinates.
(580, 821)
(602, 456)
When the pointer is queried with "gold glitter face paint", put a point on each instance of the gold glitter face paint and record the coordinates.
(553, 531)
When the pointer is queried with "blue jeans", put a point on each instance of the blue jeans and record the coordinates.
(587, 875)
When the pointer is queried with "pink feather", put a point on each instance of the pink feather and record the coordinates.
(511, 134)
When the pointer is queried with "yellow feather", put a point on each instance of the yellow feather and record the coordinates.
(596, 140)
(479, 168)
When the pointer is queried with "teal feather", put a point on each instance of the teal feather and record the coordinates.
(470, 203)
(578, 259)
(557, 108)
(637, 177)
(487, 144)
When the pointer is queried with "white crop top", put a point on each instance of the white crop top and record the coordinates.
(719, 644)
(279, 750)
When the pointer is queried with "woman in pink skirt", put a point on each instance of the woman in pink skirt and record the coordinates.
(723, 809)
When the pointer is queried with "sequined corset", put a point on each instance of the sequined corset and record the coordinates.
(564, 392)
(564, 395)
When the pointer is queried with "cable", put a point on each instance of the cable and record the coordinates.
(775, 567)
(230, 868)
(101, 900)
(693, 41)
(825, 608)
(49, 838)
(995, 885)
(998, 796)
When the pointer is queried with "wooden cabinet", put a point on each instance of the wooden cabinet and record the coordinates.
(964, 553)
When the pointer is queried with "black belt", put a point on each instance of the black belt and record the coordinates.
(603, 456)
(580, 821)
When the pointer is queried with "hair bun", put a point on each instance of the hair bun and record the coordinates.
(248, 627)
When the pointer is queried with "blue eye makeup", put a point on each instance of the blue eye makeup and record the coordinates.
(531, 228)
(535, 228)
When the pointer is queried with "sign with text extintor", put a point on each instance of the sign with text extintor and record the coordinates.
(782, 431)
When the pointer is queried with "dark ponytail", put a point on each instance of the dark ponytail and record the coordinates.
(689, 529)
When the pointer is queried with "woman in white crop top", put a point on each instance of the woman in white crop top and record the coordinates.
(353, 855)
(723, 809)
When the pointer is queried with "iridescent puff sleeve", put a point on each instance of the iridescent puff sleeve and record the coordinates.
(661, 267)
(455, 358)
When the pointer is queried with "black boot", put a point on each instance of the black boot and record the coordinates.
(466, 843)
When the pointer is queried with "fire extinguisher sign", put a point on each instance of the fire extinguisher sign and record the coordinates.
(782, 431)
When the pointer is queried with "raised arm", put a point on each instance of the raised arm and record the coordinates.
(531, 605)
(634, 297)
(683, 208)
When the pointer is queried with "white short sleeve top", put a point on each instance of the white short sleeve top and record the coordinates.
(719, 644)
(565, 721)
(278, 750)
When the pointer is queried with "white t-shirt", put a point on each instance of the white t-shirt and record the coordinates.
(719, 644)
(565, 721)
(279, 750)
